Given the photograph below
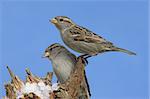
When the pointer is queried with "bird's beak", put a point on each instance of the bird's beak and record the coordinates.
(54, 21)
(46, 55)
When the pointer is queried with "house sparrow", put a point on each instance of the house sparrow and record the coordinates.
(83, 40)
(63, 63)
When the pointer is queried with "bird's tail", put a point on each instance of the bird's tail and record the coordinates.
(124, 50)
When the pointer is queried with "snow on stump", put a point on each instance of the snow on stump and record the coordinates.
(42, 88)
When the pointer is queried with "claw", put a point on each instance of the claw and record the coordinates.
(87, 57)
(84, 55)
(84, 60)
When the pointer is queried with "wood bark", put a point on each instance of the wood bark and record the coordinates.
(71, 89)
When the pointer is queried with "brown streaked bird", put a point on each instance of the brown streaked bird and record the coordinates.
(82, 40)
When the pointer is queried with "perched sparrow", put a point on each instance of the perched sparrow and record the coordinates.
(83, 40)
(63, 63)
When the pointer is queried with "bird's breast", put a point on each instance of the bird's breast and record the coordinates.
(62, 67)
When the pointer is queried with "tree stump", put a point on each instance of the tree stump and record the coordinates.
(71, 89)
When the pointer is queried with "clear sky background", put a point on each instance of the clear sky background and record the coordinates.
(26, 32)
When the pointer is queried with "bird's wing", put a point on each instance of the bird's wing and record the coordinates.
(71, 56)
(82, 34)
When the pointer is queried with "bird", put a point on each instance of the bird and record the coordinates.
(64, 63)
(83, 40)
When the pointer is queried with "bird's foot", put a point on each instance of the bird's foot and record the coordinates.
(84, 59)
(86, 56)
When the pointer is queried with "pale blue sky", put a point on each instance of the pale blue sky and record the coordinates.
(26, 32)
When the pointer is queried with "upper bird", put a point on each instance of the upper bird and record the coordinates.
(83, 40)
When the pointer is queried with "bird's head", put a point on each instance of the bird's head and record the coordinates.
(52, 50)
(62, 22)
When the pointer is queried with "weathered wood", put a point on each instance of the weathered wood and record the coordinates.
(10, 92)
(31, 78)
(71, 89)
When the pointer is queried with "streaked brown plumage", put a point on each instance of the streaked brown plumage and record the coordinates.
(83, 40)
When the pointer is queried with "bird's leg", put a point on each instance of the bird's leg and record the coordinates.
(84, 55)
(84, 59)
(88, 56)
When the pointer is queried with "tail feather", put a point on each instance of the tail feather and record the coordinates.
(124, 50)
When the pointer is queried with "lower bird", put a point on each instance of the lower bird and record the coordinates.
(83, 40)
(64, 63)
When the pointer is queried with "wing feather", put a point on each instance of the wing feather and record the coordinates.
(82, 34)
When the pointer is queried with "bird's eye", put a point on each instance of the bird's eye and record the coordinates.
(61, 19)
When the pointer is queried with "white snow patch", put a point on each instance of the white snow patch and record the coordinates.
(40, 89)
